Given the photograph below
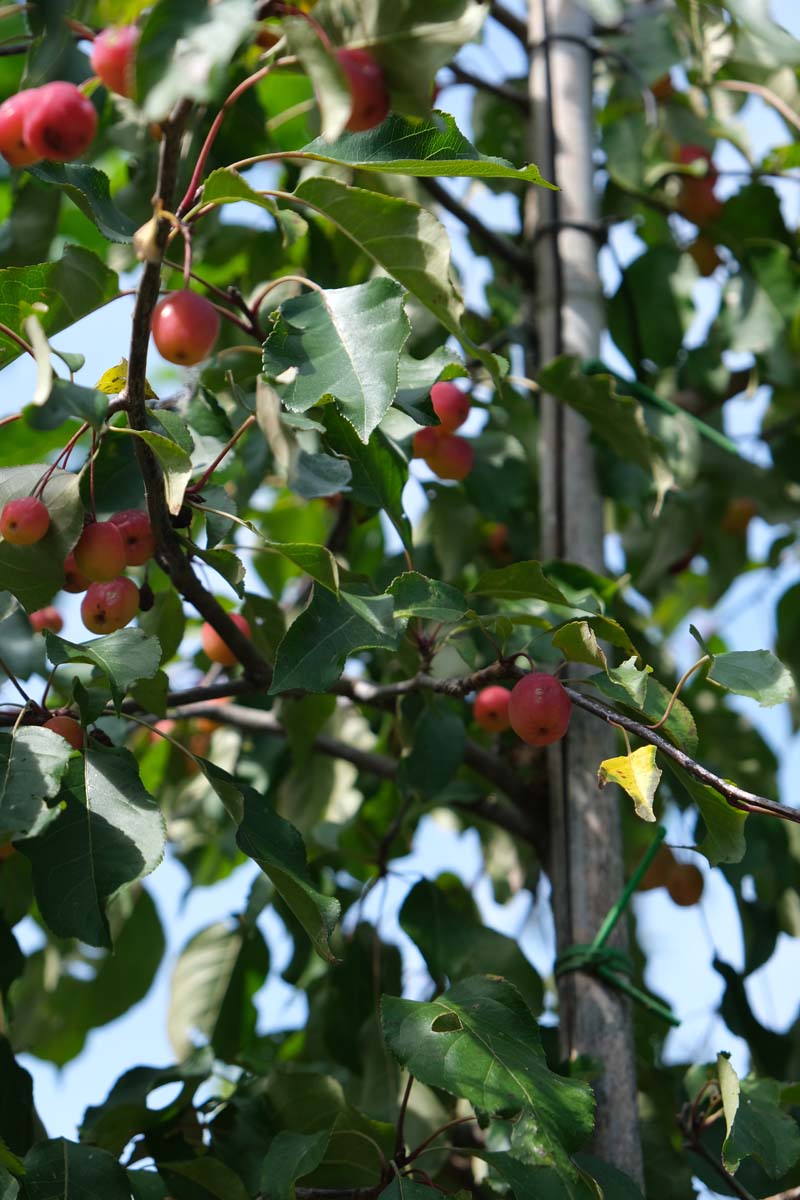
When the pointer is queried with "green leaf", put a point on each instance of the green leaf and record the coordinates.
(107, 987)
(109, 833)
(75, 285)
(755, 673)
(124, 1112)
(35, 573)
(424, 148)
(175, 463)
(479, 1041)
(312, 654)
(315, 475)
(66, 1169)
(429, 599)
(315, 561)
(436, 753)
(343, 343)
(404, 238)
(291, 1156)
(9, 1188)
(64, 401)
(403, 1187)
(378, 471)
(617, 419)
(123, 657)
(215, 979)
(209, 1175)
(520, 581)
(185, 50)
(542, 1182)
(724, 840)
(278, 849)
(756, 1124)
(679, 726)
(226, 186)
(32, 764)
(89, 189)
(16, 1109)
(443, 921)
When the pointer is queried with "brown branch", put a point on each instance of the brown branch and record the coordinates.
(502, 90)
(515, 821)
(495, 243)
(169, 551)
(737, 797)
(509, 21)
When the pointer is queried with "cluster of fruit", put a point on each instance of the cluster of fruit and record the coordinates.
(537, 708)
(448, 455)
(57, 121)
(95, 565)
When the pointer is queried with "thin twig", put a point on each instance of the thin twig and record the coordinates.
(758, 89)
(496, 243)
(169, 551)
(502, 90)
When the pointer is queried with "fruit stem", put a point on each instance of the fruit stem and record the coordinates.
(303, 280)
(38, 491)
(202, 157)
(14, 681)
(706, 658)
(8, 420)
(209, 471)
(289, 10)
(15, 337)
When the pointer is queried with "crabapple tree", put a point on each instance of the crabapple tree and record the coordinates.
(302, 525)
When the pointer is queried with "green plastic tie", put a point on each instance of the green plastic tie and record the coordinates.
(610, 964)
(632, 387)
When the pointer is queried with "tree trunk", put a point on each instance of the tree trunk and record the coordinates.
(585, 849)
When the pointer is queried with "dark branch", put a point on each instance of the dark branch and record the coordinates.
(502, 90)
(495, 243)
(169, 552)
(509, 21)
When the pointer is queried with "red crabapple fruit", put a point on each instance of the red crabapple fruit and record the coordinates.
(100, 552)
(68, 728)
(113, 58)
(46, 618)
(185, 327)
(137, 535)
(62, 122)
(24, 521)
(13, 144)
(109, 606)
(452, 458)
(490, 709)
(424, 441)
(451, 405)
(539, 709)
(73, 580)
(218, 650)
(370, 95)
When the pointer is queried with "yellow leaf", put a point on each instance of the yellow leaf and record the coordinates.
(113, 381)
(637, 774)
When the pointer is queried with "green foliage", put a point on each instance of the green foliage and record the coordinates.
(283, 478)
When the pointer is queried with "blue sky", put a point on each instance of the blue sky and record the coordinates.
(679, 967)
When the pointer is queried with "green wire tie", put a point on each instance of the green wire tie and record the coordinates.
(612, 965)
(632, 387)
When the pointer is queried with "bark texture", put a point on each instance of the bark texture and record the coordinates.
(585, 850)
